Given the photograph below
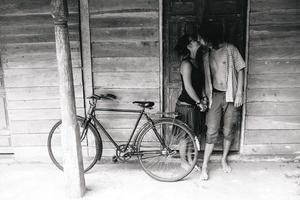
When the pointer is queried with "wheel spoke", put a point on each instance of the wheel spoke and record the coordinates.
(174, 162)
(90, 142)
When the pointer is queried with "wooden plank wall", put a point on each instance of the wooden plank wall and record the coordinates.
(30, 72)
(125, 58)
(273, 96)
(5, 140)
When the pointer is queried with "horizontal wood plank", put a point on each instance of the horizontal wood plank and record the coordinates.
(103, 6)
(284, 94)
(125, 49)
(272, 137)
(272, 122)
(38, 93)
(34, 19)
(37, 61)
(38, 29)
(274, 53)
(127, 80)
(129, 105)
(40, 154)
(124, 34)
(126, 64)
(118, 121)
(36, 77)
(273, 109)
(274, 39)
(274, 66)
(34, 38)
(40, 139)
(263, 5)
(36, 48)
(39, 104)
(274, 81)
(280, 16)
(131, 94)
(274, 35)
(118, 20)
(272, 149)
(38, 114)
(4, 141)
(18, 7)
(32, 126)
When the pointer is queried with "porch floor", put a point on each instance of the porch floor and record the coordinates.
(248, 181)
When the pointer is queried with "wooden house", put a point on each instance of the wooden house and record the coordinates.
(125, 47)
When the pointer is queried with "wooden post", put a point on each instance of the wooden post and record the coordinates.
(86, 55)
(72, 154)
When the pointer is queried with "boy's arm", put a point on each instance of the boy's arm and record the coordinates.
(238, 101)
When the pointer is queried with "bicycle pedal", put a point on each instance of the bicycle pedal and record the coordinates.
(114, 159)
(197, 168)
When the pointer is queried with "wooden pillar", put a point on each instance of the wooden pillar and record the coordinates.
(72, 155)
(86, 55)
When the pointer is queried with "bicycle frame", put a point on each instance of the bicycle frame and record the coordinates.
(141, 114)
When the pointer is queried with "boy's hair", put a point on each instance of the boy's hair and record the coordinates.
(214, 34)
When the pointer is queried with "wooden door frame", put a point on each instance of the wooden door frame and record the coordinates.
(85, 50)
(244, 109)
(161, 56)
(161, 68)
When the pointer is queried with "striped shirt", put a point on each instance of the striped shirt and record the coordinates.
(235, 63)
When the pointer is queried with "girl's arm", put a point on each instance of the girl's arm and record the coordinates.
(186, 72)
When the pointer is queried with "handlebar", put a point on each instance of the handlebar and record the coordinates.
(102, 96)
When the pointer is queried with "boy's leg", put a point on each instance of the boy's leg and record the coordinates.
(230, 120)
(213, 118)
(226, 147)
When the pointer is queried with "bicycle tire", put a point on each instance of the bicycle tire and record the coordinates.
(183, 151)
(91, 145)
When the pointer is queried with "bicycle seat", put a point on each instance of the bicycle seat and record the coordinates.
(144, 104)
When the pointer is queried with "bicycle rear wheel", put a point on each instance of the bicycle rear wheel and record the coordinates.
(91, 144)
(172, 161)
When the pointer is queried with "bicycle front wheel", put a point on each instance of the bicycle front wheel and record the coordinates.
(167, 150)
(91, 144)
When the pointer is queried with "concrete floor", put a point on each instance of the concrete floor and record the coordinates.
(248, 181)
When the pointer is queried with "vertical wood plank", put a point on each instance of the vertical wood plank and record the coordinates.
(161, 74)
(244, 109)
(86, 49)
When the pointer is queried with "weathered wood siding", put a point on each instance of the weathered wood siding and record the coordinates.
(125, 58)
(5, 140)
(273, 95)
(30, 72)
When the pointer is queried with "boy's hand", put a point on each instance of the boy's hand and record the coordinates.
(238, 101)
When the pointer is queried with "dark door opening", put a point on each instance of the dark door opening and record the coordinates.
(182, 16)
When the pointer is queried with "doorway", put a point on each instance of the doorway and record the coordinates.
(185, 16)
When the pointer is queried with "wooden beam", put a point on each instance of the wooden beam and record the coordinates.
(72, 155)
(161, 56)
(244, 108)
(86, 55)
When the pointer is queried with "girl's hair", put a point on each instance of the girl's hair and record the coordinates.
(184, 53)
(181, 46)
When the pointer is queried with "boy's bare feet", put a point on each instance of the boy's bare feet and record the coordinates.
(204, 174)
(225, 166)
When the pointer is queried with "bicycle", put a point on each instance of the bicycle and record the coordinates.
(166, 147)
